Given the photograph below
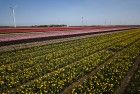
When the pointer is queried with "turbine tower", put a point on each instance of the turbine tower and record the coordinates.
(82, 20)
(13, 15)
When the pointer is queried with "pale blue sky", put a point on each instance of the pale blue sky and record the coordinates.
(70, 12)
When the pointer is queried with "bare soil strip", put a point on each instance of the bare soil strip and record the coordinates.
(47, 42)
(127, 79)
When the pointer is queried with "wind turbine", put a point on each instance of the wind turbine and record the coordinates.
(13, 15)
(82, 21)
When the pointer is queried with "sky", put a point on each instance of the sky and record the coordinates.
(70, 12)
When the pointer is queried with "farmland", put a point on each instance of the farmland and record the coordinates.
(92, 65)
(46, 29)
(24, 35)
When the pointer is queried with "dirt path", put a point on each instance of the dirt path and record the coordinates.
(127, 79)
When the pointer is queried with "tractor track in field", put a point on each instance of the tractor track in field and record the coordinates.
(127, 79)
(28, 43)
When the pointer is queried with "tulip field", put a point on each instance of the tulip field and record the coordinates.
(24, 35)
(92, 65)
(47, 29)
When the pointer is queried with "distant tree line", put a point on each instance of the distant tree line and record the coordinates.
(5, 26)
(52, 25)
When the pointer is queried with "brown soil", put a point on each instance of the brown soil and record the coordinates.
(127, 79)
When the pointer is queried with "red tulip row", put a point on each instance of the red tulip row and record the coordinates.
(11, 30)
(46, 33)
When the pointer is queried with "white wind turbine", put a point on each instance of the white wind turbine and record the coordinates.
(82, 20)
(13, 15)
